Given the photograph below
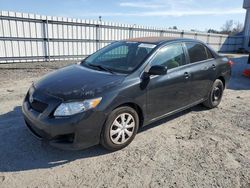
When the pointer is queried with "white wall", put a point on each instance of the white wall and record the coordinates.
(29, 37)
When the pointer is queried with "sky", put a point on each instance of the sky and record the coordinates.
(185, 14)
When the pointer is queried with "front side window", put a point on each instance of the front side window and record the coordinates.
(170, 56)
(197, 52)
(121, 57)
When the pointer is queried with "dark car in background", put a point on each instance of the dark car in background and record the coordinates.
(126, 85)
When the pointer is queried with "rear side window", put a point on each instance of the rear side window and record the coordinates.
(198, 52)
(209, 54)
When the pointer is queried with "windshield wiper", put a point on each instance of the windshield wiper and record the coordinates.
(101, 68)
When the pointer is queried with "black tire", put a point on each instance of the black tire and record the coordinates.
(106, 140)
(215, 95)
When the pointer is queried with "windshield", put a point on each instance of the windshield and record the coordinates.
(121, 57)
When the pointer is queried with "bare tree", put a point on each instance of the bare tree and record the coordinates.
(238, 27)
(174, 27)
(231, 27)
(213, 31)
(227, 27)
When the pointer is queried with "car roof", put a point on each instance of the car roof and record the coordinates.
(158, 40)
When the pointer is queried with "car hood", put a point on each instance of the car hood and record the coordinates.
(78, 82)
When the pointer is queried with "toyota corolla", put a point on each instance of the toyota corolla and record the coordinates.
(128, 84)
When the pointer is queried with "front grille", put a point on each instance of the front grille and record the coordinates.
(38, 105)
(35, 99)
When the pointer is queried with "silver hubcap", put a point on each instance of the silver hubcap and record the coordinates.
(122, 128)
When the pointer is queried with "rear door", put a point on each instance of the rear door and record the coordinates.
(202, 68)
(166, 93)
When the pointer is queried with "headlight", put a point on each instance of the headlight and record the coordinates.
(70, 108)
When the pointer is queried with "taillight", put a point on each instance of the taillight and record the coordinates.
(230, 62)
(246, 72)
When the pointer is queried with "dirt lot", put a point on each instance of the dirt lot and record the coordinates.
(195, 148)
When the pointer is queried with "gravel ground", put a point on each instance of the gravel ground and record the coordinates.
(195, 148)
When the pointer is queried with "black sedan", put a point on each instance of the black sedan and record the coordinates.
(128, 84)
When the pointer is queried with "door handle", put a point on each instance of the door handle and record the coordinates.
(186, 75)
(213, 67)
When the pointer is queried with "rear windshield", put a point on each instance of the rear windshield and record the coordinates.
(121, 57)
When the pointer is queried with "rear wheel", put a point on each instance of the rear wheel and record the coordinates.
(215, 94)
(120, 128)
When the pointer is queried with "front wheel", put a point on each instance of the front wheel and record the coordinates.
(120, 128)
(215, 95)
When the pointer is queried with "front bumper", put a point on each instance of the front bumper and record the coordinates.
(72, 133)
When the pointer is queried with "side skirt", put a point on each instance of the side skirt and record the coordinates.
(174, 112)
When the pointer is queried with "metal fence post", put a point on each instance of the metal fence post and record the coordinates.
(97, 27)
(161, 33)
(182, 34)
(47, 31)
(220, 43)
(130, 32)
(4, 43)
(208, 39)
(195, 35)
(46, 40)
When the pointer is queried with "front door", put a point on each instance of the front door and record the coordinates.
(166, 93)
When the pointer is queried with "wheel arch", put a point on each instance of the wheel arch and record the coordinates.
(223, 80)
(137, 108)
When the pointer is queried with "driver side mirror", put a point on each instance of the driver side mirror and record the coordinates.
(157, 70)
